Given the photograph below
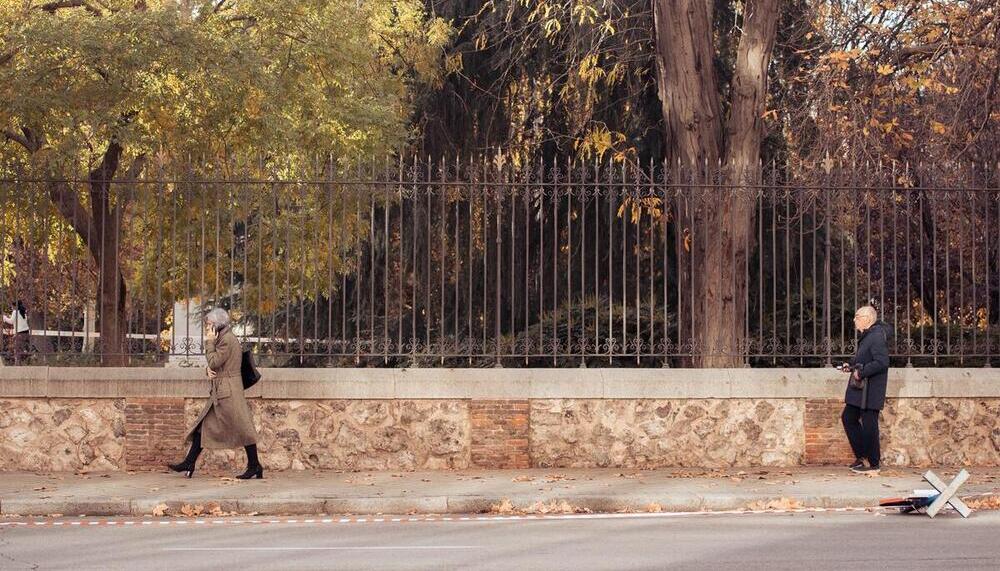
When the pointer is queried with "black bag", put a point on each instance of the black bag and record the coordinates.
(858, 383)
(248, 370)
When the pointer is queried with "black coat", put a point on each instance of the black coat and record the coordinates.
(873, 356)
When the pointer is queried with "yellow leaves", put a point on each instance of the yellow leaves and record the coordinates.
(939, 128)
(886, 69)
(439, 32)
(552, 26)
(481, 41)
(636, 207)
(453, 62)
(585, 14)
(598, 141)
(589, 71)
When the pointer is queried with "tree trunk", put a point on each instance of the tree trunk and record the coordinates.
(107, 228)
(100, 231)
(721, 224)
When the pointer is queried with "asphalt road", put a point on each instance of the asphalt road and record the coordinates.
(773, 541)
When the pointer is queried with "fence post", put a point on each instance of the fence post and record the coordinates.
(89, 326)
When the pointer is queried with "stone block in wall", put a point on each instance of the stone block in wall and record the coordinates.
(62, 434)
(353, 435)
(654, 433)
(500, 433)
(154, 432)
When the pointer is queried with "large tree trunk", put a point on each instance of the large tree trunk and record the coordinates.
(720, 224)
(100, 230)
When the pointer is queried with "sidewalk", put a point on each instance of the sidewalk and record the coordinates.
(464, 491)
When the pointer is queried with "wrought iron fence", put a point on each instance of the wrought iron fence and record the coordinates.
(478, 264)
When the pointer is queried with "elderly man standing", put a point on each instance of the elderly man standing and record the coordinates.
(865, 395)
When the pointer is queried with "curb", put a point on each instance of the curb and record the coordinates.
(422, 505)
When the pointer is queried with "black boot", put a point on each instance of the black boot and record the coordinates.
(187, 465)
(254, 469)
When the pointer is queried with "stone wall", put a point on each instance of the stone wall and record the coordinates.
(135, 419)
(352, 435)
(62, 434)
(651, 433)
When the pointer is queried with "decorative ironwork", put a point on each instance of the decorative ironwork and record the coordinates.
(480, 263)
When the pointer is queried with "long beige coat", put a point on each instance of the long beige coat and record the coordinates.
(225, 421)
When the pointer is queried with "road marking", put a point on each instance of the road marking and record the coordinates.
(350, 548)
(430, 518)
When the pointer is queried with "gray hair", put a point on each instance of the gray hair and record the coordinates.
(218, 316)
(868, 310)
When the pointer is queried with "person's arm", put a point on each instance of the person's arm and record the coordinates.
(216, 351)
(880, 358)
(8, 320)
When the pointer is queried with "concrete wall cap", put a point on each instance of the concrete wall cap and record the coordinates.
(430, 383)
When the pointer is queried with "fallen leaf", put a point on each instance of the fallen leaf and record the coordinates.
(503, 507)
(984, 503)
(523, 478)
(778, 504)
(160, 510)
(654, 508)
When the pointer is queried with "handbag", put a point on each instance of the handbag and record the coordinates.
(248, 370)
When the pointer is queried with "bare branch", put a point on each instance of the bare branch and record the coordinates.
(939, 47)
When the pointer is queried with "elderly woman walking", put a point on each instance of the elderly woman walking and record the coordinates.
(225, 422)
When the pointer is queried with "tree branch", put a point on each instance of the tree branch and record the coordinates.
(931, 49)
(53, 7)
(67, 202)
(26, 138)
(20, 139)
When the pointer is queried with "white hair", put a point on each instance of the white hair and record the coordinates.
(218, 316)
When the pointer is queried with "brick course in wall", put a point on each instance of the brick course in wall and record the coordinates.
(154, 432)
(826, 442)
(499, 431)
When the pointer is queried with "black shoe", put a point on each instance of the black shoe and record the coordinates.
(252, 472)
(186, 467)
(873, 470)
(859, 463)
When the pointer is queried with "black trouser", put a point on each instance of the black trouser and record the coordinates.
(861, 427)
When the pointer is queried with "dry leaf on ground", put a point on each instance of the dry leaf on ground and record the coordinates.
(160, 510)
(555, 506)
(984, 503)
(188, 510)
(524, 478)
(654, 508)
(778, 504)
(505, 506)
